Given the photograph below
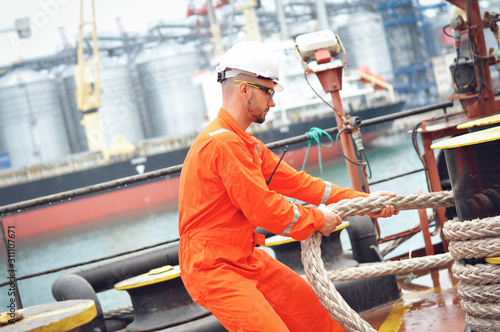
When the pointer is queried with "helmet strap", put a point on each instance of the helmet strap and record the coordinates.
(221, 76)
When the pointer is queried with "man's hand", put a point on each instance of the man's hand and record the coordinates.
(332, 220)
(389, 210)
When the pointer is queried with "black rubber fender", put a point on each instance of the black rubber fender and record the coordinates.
(73, 287)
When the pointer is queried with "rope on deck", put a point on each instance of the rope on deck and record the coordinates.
(313, 264)
(119, 312)
(370, 270)
(479, 283)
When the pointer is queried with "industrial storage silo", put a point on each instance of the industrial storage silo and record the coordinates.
(119, 111)
(32, 129)
(364, 39)
(76, 132)
(174, 103)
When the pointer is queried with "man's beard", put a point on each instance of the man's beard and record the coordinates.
(261, 119)
(251, 106)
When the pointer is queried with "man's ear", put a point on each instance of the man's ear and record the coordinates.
(243, 89)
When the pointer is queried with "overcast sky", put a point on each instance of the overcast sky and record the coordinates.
(48, 15)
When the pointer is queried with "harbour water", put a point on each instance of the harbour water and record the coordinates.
(388, 156)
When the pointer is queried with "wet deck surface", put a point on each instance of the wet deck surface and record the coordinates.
(429, 302)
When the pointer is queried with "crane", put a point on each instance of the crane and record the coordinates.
(88, 86)
(251, 22)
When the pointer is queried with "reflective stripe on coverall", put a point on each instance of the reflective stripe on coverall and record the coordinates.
(222, 181)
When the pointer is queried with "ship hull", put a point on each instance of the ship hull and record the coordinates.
(154, 195)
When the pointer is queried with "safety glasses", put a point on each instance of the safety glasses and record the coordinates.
(269, 92)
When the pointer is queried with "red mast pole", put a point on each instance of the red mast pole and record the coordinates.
(331, 80)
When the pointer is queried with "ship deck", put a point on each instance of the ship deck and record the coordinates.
(429, 302)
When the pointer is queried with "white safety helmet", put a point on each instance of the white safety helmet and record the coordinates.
(251, 58)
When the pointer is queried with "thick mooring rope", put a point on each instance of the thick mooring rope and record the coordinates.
(479, 284)
(119, 312)
(370, 270)
(315, 269)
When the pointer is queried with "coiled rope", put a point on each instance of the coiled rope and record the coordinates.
(479, 284)
(318, 276)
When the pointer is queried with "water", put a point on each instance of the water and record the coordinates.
(388, 156)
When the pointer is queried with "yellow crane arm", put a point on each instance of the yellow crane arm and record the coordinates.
(88, 88)
(87, 78)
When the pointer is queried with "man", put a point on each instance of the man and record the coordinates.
(224, 197)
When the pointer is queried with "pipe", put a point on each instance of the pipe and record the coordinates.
(407, 113)
(370, 122)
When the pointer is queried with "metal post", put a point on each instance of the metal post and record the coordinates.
(424, 225)
(331, 80)
(12, 270)
(345, 140)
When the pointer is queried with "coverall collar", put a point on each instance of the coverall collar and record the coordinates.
(233, 125)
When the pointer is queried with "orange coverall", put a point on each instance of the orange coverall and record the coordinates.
(223, 198)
